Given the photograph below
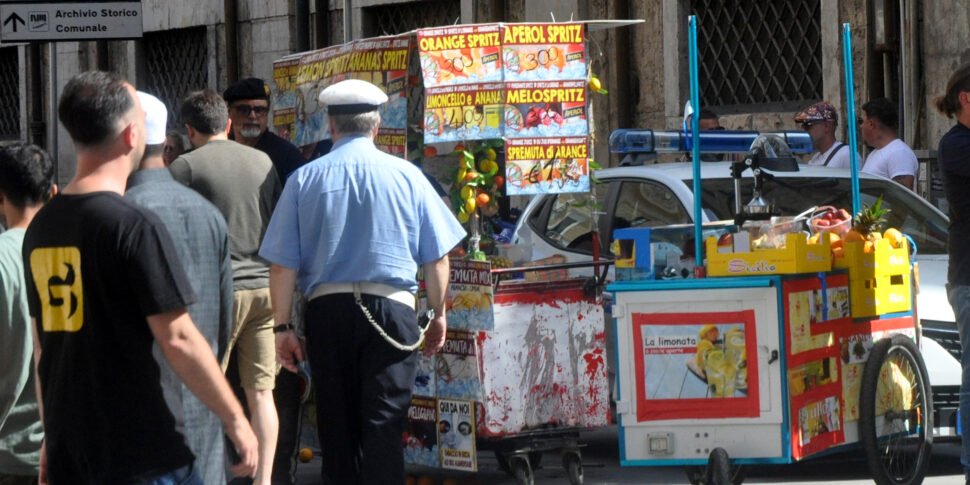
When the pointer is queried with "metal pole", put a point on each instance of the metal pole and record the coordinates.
(850, 113)
(52, 108)
(348, 24)
(695, 103)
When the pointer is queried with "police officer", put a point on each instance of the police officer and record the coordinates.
(351, 229)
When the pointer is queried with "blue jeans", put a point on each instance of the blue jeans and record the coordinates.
(182, 476)
(959, 297)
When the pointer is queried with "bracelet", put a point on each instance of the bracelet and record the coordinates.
(283, 327)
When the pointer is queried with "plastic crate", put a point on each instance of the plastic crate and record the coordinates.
(798, 256)
(879, 281)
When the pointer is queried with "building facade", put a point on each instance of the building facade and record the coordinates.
(760, 62)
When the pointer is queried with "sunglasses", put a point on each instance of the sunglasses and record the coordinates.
(245, 109)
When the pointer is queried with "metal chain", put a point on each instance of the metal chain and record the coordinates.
(380, 330)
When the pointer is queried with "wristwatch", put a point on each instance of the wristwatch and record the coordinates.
(283, 327)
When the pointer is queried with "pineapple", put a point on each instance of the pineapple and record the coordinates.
(870, 219)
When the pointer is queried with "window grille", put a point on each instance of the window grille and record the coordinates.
(403, 17)
(9, 94)
(176, 64)
(759, 53)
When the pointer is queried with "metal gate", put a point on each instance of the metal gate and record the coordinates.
(759, 53)
(402, 17)
(9, 94)
(176, 64)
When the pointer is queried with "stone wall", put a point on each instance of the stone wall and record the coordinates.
(946, 46)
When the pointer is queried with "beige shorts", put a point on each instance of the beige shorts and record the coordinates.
(252, 338)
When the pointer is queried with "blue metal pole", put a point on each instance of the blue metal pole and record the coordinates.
(695, 103)
(850, 114)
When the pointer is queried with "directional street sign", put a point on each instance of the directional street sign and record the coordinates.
(45, 21)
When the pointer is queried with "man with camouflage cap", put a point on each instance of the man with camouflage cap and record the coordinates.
(820, 121)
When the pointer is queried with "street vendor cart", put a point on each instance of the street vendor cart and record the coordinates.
(777, 350)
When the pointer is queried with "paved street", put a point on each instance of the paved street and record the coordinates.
(602, 468)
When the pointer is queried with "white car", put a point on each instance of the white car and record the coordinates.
(661, 195)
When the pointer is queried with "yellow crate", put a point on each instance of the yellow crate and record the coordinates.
(879, 281)
(880, 295)
(798, 256)
(883, 261)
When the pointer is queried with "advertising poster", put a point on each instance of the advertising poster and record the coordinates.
(818, 418)
(424, 377)
(469, 297)
(536, 52)
(800, 306)
(851, 388)
(546, 165)
(812, 375)
(545, 108)
(456, 435)
(460, 55)
(456, 370)
(463, 112)
(421, 436)
(702, 363)
(382, 61)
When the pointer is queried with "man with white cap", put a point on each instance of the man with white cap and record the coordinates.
(351, 229)
(202, 243)
(820, 121)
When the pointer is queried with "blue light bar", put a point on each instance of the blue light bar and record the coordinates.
(647, 141)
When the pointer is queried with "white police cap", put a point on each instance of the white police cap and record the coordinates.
(352, 96)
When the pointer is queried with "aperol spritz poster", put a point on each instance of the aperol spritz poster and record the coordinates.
(539, 52)
(546, 165)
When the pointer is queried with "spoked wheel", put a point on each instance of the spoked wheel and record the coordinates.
(572, 461)
(896, 413)
(718, 471)
(521, 470)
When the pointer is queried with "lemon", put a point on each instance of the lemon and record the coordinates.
(462, 217)
(895, 237)
(470, 204)
(461, 174)
(490, 153)
(467, 192)
(595, 85)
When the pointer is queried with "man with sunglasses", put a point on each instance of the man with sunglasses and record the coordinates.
(249, 107)
(820, 121)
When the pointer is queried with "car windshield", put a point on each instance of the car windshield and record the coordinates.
(793, 195)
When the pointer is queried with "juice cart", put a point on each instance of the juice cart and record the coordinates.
(778, 354)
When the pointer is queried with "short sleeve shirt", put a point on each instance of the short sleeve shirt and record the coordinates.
(359, 214)
(95, 267)
(840, 159)
(893, 160)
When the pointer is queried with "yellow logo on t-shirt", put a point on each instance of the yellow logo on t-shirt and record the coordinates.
(57, 276)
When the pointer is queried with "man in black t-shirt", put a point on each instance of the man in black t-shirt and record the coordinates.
(104, 283)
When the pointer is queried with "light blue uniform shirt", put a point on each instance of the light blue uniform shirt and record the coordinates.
(359, 214)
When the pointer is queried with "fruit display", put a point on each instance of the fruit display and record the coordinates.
(865, 227)
(830, 219)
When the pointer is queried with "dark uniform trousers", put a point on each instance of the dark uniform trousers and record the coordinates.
(363, 386)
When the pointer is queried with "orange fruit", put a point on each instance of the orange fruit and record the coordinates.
(430, 151)
(838, 252)
(306, 454)
(499, 181)
(425, 480)
(459, 147)
(854, 236)
(483, 199)
(869, 246)
(471, 175)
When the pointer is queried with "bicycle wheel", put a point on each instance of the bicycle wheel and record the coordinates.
(896, 413)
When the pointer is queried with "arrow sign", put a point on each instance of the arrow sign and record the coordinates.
(14, 18)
